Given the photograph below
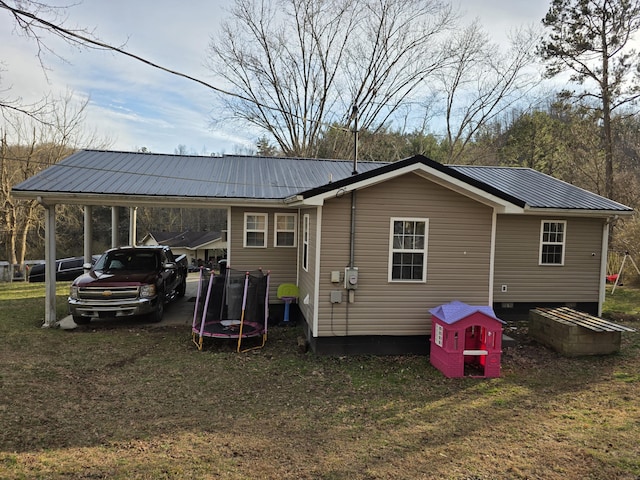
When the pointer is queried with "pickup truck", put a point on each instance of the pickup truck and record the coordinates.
(128, 281)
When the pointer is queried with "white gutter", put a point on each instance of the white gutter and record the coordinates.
(118, 200)
(492, 255)
(575, 212)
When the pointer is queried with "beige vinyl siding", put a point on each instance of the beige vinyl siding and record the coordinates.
(307, 278)
(458, 261)
(281, 261)
(517, 261)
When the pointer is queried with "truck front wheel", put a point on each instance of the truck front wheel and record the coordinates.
(182, 288)
(79, 320)
(157, 315)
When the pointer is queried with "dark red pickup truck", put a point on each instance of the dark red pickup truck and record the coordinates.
(128, 281)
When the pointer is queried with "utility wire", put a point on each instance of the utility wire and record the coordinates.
(79, 38)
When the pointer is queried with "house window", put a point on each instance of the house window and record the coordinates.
(305, 242)
(552, 240)
(285, 234)
(255, 230)
(408, 250)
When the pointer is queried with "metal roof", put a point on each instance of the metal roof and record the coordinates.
(538, 190)
(126, 173)
(275, 178)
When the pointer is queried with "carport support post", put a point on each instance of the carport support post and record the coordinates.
(115, 226)
(133, 214)
(88, 233)
(50, 266)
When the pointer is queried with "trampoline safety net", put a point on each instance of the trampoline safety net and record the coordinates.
(233, 305)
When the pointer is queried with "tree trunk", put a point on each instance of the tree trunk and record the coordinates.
(606, 116)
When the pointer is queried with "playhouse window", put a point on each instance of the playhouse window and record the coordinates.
(552, 242)
(408, 250)
(255, 230)
(285, 230)
(305, 242)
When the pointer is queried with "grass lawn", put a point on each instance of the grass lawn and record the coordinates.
(142, 402)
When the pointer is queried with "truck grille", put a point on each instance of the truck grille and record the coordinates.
(108, 293)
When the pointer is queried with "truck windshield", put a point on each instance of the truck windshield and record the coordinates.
(128, 261)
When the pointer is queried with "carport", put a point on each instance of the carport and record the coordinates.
(92, 178)
(124, 180)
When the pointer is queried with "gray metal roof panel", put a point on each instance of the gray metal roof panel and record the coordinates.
(106, 172)
(243, 177)
(538, 190)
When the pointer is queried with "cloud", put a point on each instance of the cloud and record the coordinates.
(131, 102)
(138, 105)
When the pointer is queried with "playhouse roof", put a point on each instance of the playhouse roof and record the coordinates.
(456, 310)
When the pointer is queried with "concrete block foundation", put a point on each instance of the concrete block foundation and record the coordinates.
(574, 333)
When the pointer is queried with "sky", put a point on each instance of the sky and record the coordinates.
(134, 105)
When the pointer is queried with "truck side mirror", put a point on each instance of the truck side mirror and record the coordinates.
(169, 266)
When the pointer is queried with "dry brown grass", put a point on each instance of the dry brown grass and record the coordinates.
(139, 402)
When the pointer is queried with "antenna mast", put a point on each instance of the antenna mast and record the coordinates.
(354, 114)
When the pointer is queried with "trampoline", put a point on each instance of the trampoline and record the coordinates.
(233, 305)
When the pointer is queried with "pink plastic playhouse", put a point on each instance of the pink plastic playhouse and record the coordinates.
(466, 340)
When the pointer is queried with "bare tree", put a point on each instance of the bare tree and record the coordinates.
(297, 66)
(28, 146)
(591, 39)
(39, 21)
(482, 81)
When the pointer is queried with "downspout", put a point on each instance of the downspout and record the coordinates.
(352, 236)
(352, 233)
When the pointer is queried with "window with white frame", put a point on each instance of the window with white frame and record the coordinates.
(255, 230)
(305, 242)
(552, 242)
(408, 250)
(285, 230)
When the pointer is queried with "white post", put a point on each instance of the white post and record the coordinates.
(115, 226)
(604, 252)
(50, 266)
(133, 234)
(88, 233)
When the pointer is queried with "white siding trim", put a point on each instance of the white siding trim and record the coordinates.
(316, 282)
(229, 249)
(306, 222)
(431, 174)
(603, 266)
(492, 254)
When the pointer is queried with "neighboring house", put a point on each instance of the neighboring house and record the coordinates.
(197, 246)
(372, 252)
